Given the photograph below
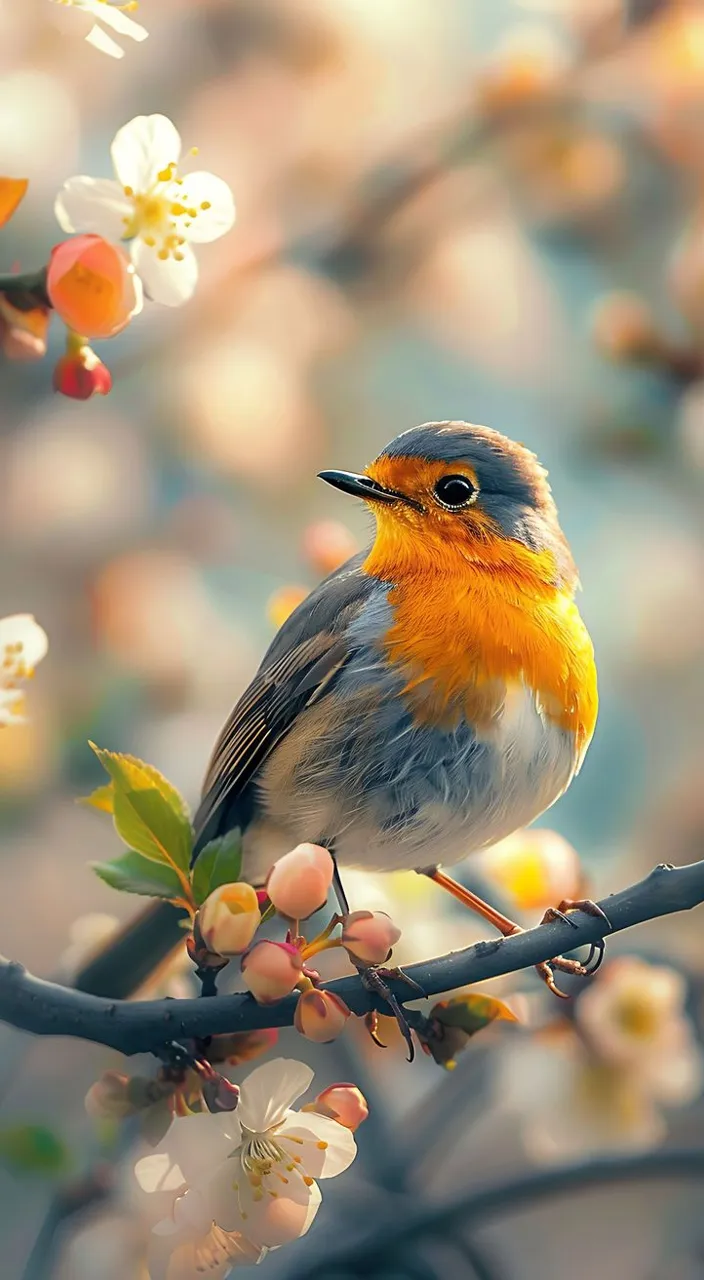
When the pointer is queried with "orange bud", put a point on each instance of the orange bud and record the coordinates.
(623, 327)
(92, 285)
(271, 970)
(298, 883)
(327, 544)
(229, 919)
(368, 936)
(320, 1015)
(12, 191)
(81, 374)
(344, 1103)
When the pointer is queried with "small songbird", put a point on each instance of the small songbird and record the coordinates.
(433, 694)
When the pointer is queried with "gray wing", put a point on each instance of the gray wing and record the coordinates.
(302, 661)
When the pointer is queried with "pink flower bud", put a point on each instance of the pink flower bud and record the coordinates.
(369, 936)
(320, 1015)
(229, 919)
(271, 970)
(344, 1103)
(298, 883)
(92, 285)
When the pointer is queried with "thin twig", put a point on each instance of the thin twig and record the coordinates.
(44, 1008)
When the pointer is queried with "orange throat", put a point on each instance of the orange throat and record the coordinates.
(468, 631)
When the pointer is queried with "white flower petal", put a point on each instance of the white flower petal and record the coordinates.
(22, 629)
(166, 281)
(208, 224)
(142, 148)
(318, 1162)
(268, 1220)
(111, 16)
(158, 1172)
(93, 204)
(104, 43)
(269, 1090)
(11, 707)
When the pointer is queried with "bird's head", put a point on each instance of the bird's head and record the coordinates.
(451, 489)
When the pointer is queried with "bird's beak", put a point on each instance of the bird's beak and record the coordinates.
(361, 486)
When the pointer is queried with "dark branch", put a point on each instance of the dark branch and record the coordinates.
(44, 1008)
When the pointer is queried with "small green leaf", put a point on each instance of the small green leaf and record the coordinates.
(471, 1012)
(133, 873)
(150, 815)
(33, 1148)
(219, 862)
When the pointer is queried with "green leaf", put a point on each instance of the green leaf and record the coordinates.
(133, 873)
(471, 1012)
(33, 1148)
(150, 815)
(219, 862)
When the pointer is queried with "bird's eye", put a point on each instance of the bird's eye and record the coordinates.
(455, 492)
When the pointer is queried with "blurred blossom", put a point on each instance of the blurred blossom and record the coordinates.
(104, 487)
(38, 127)
(109, 14)
(637, 1054)
(428, 922)
(87, 935)
(623, 327)
(23, 644)
(295, 312)
(23, 334)
(29, 754)
(526, 67)
(152, 207)
(246, 411)
(92, 286)
(481, 291)
(534, 868)
(12, 192)
(80, 373)
(566, 172)
(221, 1168)
(665, 621)
(282, 603)
(327, 544)
(152, 612)
(686, 271)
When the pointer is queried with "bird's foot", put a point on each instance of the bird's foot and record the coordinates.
(375, 979)
(564, 964)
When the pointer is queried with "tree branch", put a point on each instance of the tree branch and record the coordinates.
(44, 1008)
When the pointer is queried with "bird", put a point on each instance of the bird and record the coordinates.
(434, 694)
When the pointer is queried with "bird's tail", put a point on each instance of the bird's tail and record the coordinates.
(133, 955)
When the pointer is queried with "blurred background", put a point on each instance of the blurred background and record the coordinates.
(446, 209)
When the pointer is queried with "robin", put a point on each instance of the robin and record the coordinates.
(432, 695)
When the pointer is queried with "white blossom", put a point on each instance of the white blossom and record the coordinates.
(152, 207)
(110, 15)
(23, 643)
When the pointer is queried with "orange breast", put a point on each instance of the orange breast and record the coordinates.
(466, 632)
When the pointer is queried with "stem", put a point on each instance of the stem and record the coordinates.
(26, 289)
(44, 1008)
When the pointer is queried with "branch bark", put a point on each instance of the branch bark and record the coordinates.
(46, 1009)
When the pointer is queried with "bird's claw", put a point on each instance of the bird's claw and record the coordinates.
(374, 980)
(562, 963)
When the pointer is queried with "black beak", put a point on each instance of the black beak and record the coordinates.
(365, 487)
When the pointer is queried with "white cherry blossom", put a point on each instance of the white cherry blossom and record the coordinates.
(152, 207)
(252, 1171)
(106, 14)
(23, 643)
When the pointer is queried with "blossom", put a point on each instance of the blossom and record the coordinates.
(251, 1171)
(23, 643)
(92, 286)
(298, 883)
(534, 868)
(151, 206)
(109, 15)
(320, 1015)
(271, 970)
(368, 936)
(229, 919)
(80, 373)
